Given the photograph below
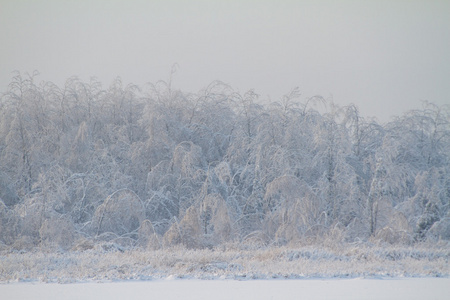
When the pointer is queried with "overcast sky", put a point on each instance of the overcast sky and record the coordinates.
(383, 56)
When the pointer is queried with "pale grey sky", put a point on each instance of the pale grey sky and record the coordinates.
(384, 56)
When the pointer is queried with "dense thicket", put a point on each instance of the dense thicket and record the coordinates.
(158, 167)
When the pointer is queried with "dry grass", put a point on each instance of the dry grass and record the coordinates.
(100, 264)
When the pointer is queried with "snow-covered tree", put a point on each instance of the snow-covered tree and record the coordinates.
(154, 166)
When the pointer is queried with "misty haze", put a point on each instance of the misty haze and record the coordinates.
(165, 140)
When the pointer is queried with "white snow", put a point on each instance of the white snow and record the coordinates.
(404, 288)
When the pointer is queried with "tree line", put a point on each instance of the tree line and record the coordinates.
(155, 167)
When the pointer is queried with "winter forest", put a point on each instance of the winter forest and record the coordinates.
(153, 167)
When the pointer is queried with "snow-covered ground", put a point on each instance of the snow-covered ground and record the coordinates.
(405, 288)
(350, 272)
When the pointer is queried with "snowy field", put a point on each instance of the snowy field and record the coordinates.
(406, 288)
(351, 272)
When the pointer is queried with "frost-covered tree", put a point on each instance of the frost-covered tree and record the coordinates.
(155, 166)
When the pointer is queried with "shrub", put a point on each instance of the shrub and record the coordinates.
(121, 213)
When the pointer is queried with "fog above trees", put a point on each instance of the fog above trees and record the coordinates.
(155, 167)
